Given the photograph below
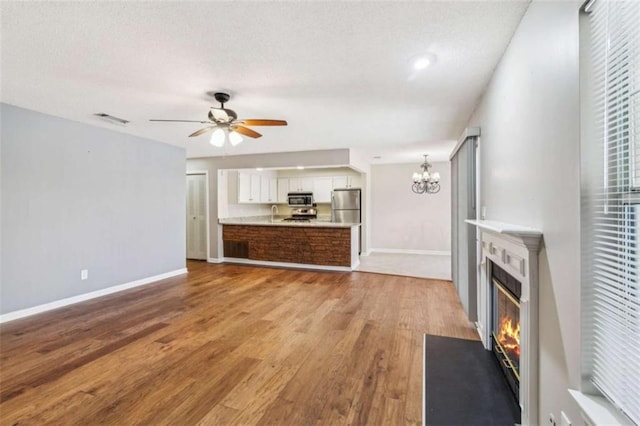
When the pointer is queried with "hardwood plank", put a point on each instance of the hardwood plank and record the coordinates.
(231, 344)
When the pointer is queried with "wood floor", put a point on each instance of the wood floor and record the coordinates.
(231, 344)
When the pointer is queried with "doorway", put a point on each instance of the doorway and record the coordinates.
(463, 236)
(197, 216)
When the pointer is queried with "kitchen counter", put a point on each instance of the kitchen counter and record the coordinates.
(319, 244)
(278, 221)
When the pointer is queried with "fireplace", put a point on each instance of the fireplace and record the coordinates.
(508, 295)
(505, 325)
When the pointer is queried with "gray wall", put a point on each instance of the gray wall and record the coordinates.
(529, 156)
(402, 219)
(78, 197)
(217, 165)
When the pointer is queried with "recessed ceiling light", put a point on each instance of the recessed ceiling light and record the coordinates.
(422, 62)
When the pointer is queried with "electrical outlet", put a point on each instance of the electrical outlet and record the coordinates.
(552, 419)
(84, 274)
(564, 420)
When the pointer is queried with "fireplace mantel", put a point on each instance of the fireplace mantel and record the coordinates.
(530, 237)
(515, 249)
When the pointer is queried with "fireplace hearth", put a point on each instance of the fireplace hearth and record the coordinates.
(505, 325)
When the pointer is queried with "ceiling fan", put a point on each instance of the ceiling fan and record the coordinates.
(223, 121)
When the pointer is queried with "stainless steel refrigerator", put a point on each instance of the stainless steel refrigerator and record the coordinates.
(345, 208)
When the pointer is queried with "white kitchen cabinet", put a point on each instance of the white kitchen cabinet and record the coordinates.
(283, 190)
(322, 187)
(354, 182)
(248, 188)
(304, 184)
(268, 189)
(339, 182)
(346, 182)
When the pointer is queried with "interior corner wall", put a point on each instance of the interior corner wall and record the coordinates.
(75, 197)
(529, 175)
(404, 220)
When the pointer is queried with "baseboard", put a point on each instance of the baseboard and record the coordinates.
(403, 251)
(215, 260)
(87, 296)
(287, 265)
(355, 264)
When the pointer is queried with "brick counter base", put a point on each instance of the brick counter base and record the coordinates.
(314, 246)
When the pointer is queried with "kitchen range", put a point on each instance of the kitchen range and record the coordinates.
(302, 215)
(304, 208)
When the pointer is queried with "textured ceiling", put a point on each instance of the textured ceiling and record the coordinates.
(338, 72)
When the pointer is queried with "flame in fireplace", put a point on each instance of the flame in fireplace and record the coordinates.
(509, 336)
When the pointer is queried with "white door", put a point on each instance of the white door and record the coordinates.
(322, 190)
(255, 189)
(306, 184)
(283, 190)
(244, 188)
(339, 182)
(196, 217)
(273, 190)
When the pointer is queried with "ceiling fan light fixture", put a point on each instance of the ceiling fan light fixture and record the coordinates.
(217, 138)
(234, 138)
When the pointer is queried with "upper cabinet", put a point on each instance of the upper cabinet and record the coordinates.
(283, 190)
(322, 187)
(302, 184)
(266, 188)
(346, 182)
(248, 188)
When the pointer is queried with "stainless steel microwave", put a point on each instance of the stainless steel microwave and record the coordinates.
(300, 199)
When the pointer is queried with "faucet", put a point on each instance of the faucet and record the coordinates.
(273, 207)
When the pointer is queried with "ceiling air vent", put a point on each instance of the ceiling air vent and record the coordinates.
(111, 119)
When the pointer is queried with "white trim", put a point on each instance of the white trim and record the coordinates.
(87, 296)
(515, 249)
(215, 260)
(206, 183)
(469, 132)
(403, 251)
(597, 410)
(286, 264)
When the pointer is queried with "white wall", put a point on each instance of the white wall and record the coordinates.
(529, 153)
(74, 197)
(404, 220)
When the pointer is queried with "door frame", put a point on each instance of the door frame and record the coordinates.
(207, 214)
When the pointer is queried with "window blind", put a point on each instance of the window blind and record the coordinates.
(611, 203)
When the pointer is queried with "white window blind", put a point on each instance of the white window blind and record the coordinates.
(611, 203)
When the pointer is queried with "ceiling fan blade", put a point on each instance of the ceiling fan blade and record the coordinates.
(201, 131)
(219, 115)
(247, 132)
(263, 122)
(183, 121)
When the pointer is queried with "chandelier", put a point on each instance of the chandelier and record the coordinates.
(426, 182)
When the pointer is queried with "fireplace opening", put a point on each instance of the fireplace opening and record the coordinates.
(505, 328)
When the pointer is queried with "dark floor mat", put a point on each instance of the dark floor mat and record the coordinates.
(464, 385)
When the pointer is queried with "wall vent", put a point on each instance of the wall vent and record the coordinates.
(111, 119)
